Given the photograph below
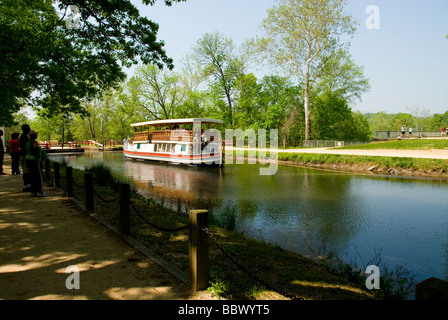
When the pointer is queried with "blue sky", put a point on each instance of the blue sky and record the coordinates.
(406, 60)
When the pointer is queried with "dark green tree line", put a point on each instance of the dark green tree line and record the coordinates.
(52, 60)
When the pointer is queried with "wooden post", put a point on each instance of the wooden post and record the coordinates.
(198, 250)
(69, 181)
(88, 184)
(124, 219)
(57, 176)
(47, 170)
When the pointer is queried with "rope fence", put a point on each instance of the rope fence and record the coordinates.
(198, 229)
(155, 226)
(102, 199)
(78, 186)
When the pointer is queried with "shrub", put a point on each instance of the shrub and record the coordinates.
(102, 174)
(226, 218)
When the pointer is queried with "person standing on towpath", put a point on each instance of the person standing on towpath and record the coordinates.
(33, 161)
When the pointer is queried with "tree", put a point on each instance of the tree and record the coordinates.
(381, 121)
(49, 62)
(419, 113)
(19, 120)
(329, 112)
(339, 74)
(215, 55)
(401, 119)
(53, 127)
(281, 107)
(359, 129)
(334, 120)
(195, 105)
(299, 36)
(437, 121)
(247, 104)
(159, 91)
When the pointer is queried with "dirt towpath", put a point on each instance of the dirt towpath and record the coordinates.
(41, 237)
(428, 154)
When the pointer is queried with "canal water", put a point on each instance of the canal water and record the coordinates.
(404, 221)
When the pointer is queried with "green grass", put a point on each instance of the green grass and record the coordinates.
(382, 162)
(418, 144)
(279, 268)
(403, 163)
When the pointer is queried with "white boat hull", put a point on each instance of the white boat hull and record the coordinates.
(179, 154)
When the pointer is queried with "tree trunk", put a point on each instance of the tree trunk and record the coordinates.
(307, 105)
(229, 103)
(92, 129)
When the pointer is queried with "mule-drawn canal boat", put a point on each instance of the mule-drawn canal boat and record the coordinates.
(195, 141)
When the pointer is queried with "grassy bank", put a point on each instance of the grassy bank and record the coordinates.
(281, 269)
(389, 165)
(375, 164)
(418, 144)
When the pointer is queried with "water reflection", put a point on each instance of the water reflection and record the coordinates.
(312, 212)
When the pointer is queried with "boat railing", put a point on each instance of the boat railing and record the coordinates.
(164, 135)
(64, 145)
(141, 136)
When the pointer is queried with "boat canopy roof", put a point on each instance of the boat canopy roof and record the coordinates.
(176, 121)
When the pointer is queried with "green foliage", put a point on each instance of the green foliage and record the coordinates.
(80, 84)
(437, 121)
(102, 174)
(158, 92)
(302, 37)
(218, 286)
(49, 63)
(341, 76)
(226, 218)
(402, 119)
(394, 285)
(382, 121)
(329, 115)
(334, 120)
(215, 56)
(421, 144)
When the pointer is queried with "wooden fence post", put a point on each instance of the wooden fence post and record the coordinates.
(124, 219)
(88, 184)
(69, 181)
(198, 250)
(47, 170)
(57, 176)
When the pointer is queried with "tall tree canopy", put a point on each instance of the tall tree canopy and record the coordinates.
(301, 36)
(217, 59)
(157, 91)
(56, 53)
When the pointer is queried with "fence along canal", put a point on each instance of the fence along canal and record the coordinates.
(198, 230)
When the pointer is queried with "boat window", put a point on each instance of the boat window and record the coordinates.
(183, 147)
(138, 145)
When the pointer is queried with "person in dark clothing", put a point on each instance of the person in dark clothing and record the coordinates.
(2, 152)
(33, 161)
(26, 173)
